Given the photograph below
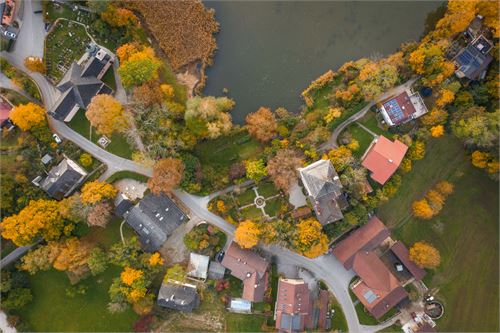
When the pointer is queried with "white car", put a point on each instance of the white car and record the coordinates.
(9, 34)
(57, 139)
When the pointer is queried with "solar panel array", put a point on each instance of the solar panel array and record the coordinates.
(470, 57)
(394, 111)
(370, 296)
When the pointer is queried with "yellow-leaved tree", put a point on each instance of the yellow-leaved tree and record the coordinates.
(107, 115)
(40, 218)
(437, 131)
(28, 116)
(425, 255)
(309, 238)
(96, 191)
(247, 235)
(422, 209)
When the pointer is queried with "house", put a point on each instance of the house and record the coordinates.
(216, 271)
(198, 266)
(5, 109)
(250, 268)
(324, 190)
(178, 296)
(239, 305)
(63, 179)
(377, 288)
(298, 308)
(473, 60)
(81, 83)
(122, 205)
(155, 218)
(402, 254)
(366, 238)
(7, 10)
(383, 158)
(402, 108)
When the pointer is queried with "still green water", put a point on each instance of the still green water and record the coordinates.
(269, 51)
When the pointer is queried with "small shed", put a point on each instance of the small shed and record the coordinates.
(46, 159)
(216, 271)
(198, 266)
(240, 305)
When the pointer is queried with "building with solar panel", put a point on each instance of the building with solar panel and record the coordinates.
(402, 108)
(473, 60)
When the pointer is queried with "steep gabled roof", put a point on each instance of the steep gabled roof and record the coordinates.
(365, 238)
(400, 250)
(180, 297)
(198, 266)
(383, 158)
(63, 179)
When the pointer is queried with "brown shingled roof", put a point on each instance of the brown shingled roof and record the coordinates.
(400, 251)
(293, 299)
(366, 238)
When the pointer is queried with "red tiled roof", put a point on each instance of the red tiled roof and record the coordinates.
(426, 328)
(377, 281)
(293, 298)
(249, 267)
(400, 251)
(5, 109)
(366, 238)
(383, 158)
(404, 105)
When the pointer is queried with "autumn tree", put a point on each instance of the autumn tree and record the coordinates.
(282, 168)
(341, 158)
(255, 170)
(139, 67)
(333, 113)
(237, 170)
(446, 96)
(422, 209)
(309, 238)
(167, 175)
(208, 117)
(444, 187)
(39, 259)
(406, 165)
(96, 191)
(118, 17)
(28, 116)
(425, 255)
(377, 77)
(97, 261)
(435, 200)
(35, 64)
(480, 159)
(73, 209)
(247, 234)
(40, 218)
(73, 256)
(416, 151)
(436, 116)
(149, 93)
(262, 124)
(475, 126)
(437, 131)
(107, 115)
(85, 159)
(100, 214)
(429, 61)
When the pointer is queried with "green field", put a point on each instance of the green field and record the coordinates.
(362, 136)
(465, 232)
(118, 146)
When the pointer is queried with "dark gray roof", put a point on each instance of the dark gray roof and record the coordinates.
(472, 62)
(216, 270)
(178, 297)
(323, 185)
(95, 66)
(63, 179)
(155, 218)
(122, 205)
(290, 322)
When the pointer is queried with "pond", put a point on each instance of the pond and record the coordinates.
(268, 52)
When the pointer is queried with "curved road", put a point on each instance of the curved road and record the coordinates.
(327, 268)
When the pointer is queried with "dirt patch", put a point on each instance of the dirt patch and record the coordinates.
(190, 77)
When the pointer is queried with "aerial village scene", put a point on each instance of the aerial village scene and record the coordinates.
(249, 166)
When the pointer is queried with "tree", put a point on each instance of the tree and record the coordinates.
(139, 67)
(422, 209)
(130, 275)
(429, 61)
(406, 165)
(255, 170)
(480, 159)
(333, 113)
(376, 78)
(175, 273)
(437, 131)
(416, 151)
(477, 127)
(341, 158)
(39, 259)
(436, 116)
(125, 51)
(118, 17)
(155, 259)
(100, 214)
(35, 64)
(208, 117)
(73, 256)
(96, 191)
(282, 168)
(425, 255)
(86, 160)
(444, 187)
(97, 261)
(247, 234)
(73, 209)
(435, 200)
(107, 115)
(237, 170)
(309, 239)
(17, 298)
(40, 218)
(446, 96)
(149, 93)
(167, 175)
(28, 116)
(262, 124)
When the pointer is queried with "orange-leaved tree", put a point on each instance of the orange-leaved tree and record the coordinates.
(28, 116)
(35, 64)
(167, 175)
(437, 131)
(107, 115)
(247, 235)
(40, 218)
(282, 168)
(309, 238)
(262, 124)
(422, 209)
(96, 191)
(425, 255)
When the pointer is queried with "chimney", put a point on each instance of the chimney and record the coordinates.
(390, 161)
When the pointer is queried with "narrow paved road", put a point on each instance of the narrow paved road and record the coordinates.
(325, 267)
(14, 255)
(332, 141)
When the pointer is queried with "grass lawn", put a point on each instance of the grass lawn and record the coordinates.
(267, 189)
(346, 114)
(251, 212)
(127, 175)
(362, 136)
(9, 141)
(109, 78)
(465, 232)
(246, 197)
(52, 311)
(364, 317)
(370, 122)
(226, 150)
(273, 206)
(65, 44)
(118, 146)
(236, 322)
(338, 319)
(13, 96)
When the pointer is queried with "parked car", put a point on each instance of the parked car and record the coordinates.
(57, 139)
(9, 34)
(220, 256)
(37, 12)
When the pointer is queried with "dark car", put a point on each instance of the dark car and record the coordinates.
(37, 12)
(220, 256)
